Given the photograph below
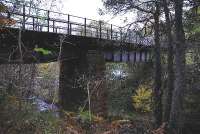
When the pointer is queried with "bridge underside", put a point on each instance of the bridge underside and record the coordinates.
(112, 50)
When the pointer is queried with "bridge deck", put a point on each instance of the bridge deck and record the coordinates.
(51, 41)
(44, 29)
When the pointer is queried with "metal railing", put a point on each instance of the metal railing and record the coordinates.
(36, 19)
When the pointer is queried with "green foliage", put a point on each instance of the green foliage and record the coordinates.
(119, 100)
(193, 56)
(142, 99)
(50, 70)
(192, 25)
(3, 8)
(47, 80)
(121, 88)
(192, 94)
(45, 70)
(85, 120)
(85, 116)
(111, 69)
(119, 91)
(192, 102)
(21, 116)
(189, 59)
(2, 95)
(43, 51)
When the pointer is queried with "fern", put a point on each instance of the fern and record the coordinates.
(142, 99)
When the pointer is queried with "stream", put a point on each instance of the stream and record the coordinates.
(43, 106)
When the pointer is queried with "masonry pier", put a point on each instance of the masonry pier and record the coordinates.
(78, 68)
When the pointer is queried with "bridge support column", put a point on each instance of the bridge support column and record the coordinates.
(75, 63)
(72, 65)
(98, 83)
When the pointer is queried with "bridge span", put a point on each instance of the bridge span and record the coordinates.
(81, 45)
(47, 29)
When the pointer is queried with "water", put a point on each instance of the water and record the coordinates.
(43, 106)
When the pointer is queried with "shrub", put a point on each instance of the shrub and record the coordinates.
(19, 115)
(142, 99)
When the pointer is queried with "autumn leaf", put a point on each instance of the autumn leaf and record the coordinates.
(6, 22)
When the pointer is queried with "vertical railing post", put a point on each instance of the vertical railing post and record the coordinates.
(107, 34)
(136, 39)
(85, 25)
(97, 33)
(33, 23)
(68, 27)
(100, 29)
(38, 25)
(121, 34)
(24, 15)
(111, 32)
(48, 20)
(129, 37)
(53, 25)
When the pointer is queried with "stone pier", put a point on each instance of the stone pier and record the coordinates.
(98, 83)
(74, 64)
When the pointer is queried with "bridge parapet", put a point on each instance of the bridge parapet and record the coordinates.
(36, 19)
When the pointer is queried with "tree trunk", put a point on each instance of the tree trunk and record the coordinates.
(170, 57)
(176, 118)
(157, 93)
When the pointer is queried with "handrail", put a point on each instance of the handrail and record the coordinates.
(70, 24)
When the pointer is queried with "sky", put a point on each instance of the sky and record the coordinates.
(84, 8)
(89, 9)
